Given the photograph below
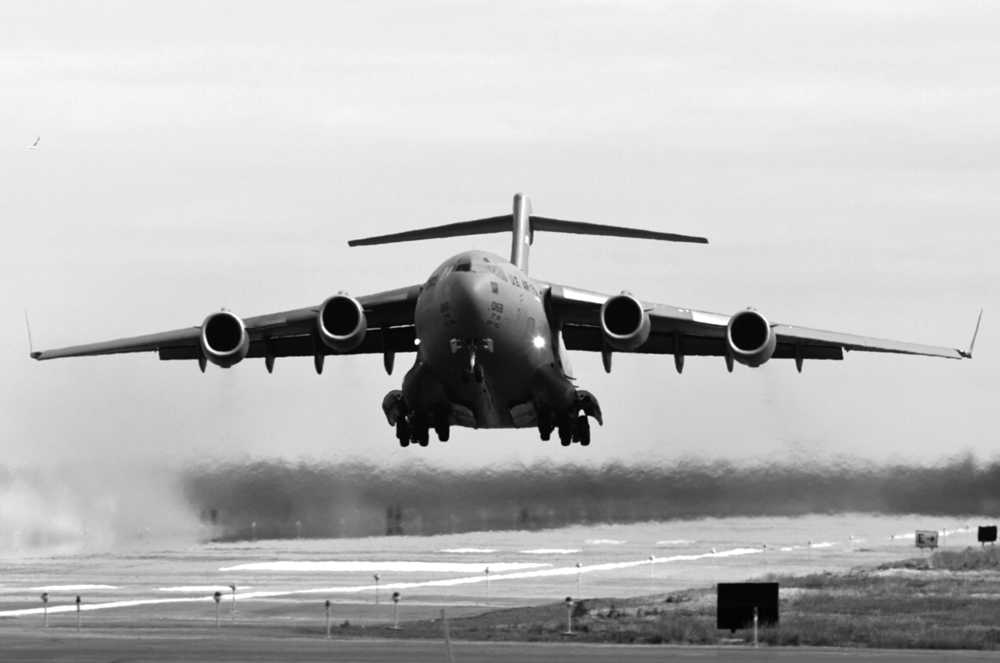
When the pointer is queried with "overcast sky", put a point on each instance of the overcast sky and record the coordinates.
(843, 160)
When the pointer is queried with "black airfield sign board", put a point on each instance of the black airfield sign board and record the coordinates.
(926, 538)
(736, 601)
(987, 533)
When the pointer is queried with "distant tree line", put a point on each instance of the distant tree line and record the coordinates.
(357, 499)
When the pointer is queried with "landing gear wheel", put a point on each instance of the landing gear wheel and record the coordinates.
(403, 433)
(443, 432)
(583, 430)
(565, 435)
(545, 433)
(421, 436)
(477, 372)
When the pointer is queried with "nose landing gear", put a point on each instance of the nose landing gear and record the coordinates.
(472, 346)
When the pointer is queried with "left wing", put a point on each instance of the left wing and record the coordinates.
(684, 331)
(387, 328)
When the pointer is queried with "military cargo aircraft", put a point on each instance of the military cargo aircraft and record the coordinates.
(490, 341)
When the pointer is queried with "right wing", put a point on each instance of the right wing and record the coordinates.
(389, 317)
(684, 331)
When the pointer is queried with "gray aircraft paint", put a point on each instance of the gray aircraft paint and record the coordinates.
(497, 304)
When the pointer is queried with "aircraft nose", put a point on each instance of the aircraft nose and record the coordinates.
(470, 298)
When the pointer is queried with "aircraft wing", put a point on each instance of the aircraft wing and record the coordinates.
(684, 331)
(389, 317)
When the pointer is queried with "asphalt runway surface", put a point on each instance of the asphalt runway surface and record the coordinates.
(100, 648)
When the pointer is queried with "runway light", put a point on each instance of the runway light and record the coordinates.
(538, 342)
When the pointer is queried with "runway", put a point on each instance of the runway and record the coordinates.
(33, 647)
(462, 572)
(156, 602)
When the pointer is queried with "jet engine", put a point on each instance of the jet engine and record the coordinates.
(750, 338)
(224, 339)
(625, 322)
(341, 323)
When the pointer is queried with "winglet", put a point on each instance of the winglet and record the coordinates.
(967, 354)
(34, 354)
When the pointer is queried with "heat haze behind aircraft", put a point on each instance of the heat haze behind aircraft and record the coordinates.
(491, 342)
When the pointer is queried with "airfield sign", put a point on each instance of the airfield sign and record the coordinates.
(926, 538)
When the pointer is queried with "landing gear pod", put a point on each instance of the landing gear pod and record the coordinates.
(224, 339)
(625, 323)
(341, 323)
(750, 338)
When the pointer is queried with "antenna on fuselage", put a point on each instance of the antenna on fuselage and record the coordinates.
(523, 224)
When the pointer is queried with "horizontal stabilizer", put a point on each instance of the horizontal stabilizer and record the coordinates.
(581, 228)
(495, 224)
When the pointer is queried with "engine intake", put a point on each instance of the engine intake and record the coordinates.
(625, 322)
(224, 339)
(750, 338)
(341, 323)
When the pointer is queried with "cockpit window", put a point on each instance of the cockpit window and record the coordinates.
(463, 265)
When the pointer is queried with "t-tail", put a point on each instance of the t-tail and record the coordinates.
(523, 225)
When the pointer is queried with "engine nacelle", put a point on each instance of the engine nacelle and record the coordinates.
(224, 339)
(625, 322)
(750, 338)
(341, 323)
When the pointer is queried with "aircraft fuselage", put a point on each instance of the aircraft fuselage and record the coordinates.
(487, 356)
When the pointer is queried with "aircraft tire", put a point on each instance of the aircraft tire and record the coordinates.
(443, 432)
(583, 430)
(403, 433)
(565, 435)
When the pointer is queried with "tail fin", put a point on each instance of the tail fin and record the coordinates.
(523, 226)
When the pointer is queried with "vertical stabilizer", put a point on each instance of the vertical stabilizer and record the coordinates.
(520, 244)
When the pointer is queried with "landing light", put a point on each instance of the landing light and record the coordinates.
(416, 341)
(538, 342)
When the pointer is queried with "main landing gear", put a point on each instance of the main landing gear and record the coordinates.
(413, 427)
(575, 430)
(574, 425)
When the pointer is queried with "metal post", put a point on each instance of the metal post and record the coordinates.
(755, 626)
(78, 602)
(447, 636)
(579, 575)
(569, 616)
(232, 607)
(376, 588)
(298, 529)
(395, 611)
(487, 572)
(253, 530)
(45, 610)
(651, 558)
(217, 597)
(327, 619)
